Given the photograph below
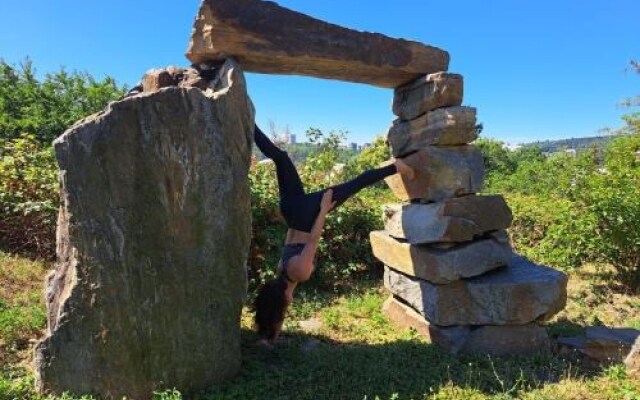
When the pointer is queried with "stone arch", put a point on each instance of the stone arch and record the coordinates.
(129, 173)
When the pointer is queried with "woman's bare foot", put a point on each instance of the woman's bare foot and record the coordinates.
(404, 169)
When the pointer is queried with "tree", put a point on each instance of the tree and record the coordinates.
(46, 108)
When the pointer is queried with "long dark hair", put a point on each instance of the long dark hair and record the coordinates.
(270, 305)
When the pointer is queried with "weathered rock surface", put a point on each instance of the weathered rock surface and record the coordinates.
(267, 38)
(441, 172)
(158, 78)
(516, 295)
(153, 235)
(457, 219)
(427, 93)
(499, 341)
(405, 317)
(442, 265)
(493, 340)
(444, 126)
(603, 343)
(633, 359)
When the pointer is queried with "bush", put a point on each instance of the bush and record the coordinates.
(552, 230)
(571, 209)
(46, 108)
(612, 198)
(28, 197)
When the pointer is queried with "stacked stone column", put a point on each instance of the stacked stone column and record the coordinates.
(449, 263)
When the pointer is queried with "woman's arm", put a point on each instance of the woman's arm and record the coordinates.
(301, 266)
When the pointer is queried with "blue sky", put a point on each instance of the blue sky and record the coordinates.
(534, 69)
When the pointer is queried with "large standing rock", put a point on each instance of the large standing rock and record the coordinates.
(446, 265)
(153, 235)
(515, 295)
(427, 93)
(444, 126)
(267, 38)
(457, 219)
(441, 172)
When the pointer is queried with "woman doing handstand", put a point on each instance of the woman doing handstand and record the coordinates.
(304, 214)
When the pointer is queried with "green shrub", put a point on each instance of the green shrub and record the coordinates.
(612, 198)
(28, 197)
(571, 209)
(46, 108)
(552, 230)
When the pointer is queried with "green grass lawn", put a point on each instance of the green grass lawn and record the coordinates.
(355, 353)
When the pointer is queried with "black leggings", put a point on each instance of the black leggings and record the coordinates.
(298, 208)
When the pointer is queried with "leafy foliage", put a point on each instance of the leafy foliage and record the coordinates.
(32, 114)
(28, 196)
(46, 108)
(571, 209)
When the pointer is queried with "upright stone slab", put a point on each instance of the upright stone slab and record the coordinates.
(444, 127)
(516, 295)
(428, 93)
(153, 234)
(441, 172)
(439, 265)
(457, 219)
(267, 38)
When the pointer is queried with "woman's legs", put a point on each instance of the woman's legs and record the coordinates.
(289, 182)
(347, 189)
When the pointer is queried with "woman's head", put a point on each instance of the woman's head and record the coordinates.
(270, 305)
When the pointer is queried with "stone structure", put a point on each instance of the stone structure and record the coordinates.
(147, 292)
(449, 265)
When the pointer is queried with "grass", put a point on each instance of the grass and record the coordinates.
(355, 353)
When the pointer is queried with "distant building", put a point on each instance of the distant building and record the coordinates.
(292, 139)
(364, 146)
(354, 147)
(512, 146)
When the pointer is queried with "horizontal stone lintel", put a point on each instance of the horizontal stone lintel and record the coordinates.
(267, 38)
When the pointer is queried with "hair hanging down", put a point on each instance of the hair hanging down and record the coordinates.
(270, 305)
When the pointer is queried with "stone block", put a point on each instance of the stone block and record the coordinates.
(438, 265)
(633, 359)
(441, 173)
(518, 294)
(457, 219)
(603, 343)
(267, 38)
(444, 127)
(405, 317)
(427, 93)
(499, 341)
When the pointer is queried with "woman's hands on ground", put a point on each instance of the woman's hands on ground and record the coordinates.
(327, 202)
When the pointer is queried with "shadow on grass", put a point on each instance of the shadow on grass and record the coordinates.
(304, 366)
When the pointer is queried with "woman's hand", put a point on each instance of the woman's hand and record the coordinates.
(327, 202)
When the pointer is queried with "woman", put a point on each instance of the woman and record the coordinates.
(305, 214)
